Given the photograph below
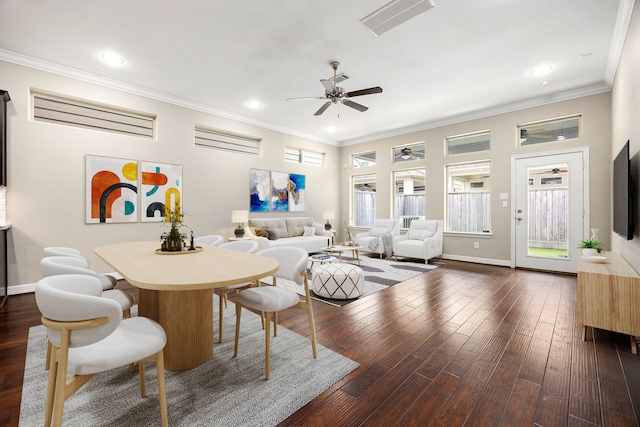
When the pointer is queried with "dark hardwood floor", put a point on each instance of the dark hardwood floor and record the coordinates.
(464, 344)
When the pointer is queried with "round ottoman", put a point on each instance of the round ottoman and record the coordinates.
(338, 281)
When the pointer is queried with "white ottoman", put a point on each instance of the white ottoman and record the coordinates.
(338, 281)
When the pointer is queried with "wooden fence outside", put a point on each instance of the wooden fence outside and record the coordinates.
(468, 212)
(548, 218)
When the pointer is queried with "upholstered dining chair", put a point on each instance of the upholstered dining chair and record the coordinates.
(272, 299)
(108, 282)
(88, 336)
(58, 265)
(249, 246)
(212, 239)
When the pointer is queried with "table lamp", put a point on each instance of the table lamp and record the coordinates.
(328, 215)
(239, 217)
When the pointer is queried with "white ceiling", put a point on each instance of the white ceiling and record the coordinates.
(463, 59)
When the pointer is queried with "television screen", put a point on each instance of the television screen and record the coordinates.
(622, 209)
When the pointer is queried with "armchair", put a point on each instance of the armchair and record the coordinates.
(423, 240)
(374, 239)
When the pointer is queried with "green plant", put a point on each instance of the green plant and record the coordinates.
(172, 239)
(590, 244)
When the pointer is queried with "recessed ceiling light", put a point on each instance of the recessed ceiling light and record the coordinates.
(254, 105)
(544, 83)
(331, 129)
(540, 70)
(112, 59)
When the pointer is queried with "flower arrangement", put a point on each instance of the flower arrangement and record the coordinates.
(173, 239)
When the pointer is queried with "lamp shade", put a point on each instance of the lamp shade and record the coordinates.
(239, 216)
(328, 215)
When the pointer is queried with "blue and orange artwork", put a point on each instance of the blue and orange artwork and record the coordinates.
(279, 192)
(259, 190)
(160, 188)
(297, 193)
(111, 186)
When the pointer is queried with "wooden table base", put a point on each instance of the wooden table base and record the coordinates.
(187, 318)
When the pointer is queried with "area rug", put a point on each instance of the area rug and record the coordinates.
(379, 274)
(225, 391)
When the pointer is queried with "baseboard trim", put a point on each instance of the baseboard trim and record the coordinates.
(498, 262)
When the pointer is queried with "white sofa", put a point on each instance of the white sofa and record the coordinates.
(289, 232)
(379, 228)
(423, 240)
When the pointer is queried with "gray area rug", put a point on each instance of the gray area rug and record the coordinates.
(379, 274)
(225, 391)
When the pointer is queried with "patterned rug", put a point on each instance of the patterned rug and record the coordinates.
(225, 391)
(379, 274)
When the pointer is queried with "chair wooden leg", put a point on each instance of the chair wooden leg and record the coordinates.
(143, 383)
(59, 397)
(312, 326)
(267, 359)
(275, 324)
(238, 311)
(48, 359)
(51, 388)
(162, 389)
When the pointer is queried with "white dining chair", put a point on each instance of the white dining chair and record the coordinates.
(88, 335)
(108, 281)
(272, 299)
(212, 239)
(248, 246)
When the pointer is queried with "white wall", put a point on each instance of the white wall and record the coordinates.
(596, 134)
(625, 118)
(46, 181)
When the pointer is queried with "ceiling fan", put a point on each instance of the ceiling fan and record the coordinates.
(406, 154)
(552, 171)
(334, 94)
(540, 134)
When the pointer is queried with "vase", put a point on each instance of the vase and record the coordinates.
(173, 241)
(594, 234)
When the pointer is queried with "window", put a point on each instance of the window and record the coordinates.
(468, 197)
(550, 130)
(469, 143)
(364, 200)
(218, 140)
(364, 159)
(297, 155)
(408, 153)
(80, 114)
(409, 198)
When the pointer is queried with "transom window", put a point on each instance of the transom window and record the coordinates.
(469, 143)
(364, 159)
(297, 155)
(550, 130)
(408, 153)
(468, 198)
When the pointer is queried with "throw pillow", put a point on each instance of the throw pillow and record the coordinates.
(261, 232)
(272, 234)
(377, 231)
(319, 230)
(429, 234)
(416, 234)
(309, 231)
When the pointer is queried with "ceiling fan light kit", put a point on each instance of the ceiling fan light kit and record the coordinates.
(334, 94)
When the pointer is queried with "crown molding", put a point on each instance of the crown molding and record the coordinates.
(61, 70)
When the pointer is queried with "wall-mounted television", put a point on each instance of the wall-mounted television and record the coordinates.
(622, 199)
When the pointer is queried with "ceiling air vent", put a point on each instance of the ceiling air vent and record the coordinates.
(395, 13)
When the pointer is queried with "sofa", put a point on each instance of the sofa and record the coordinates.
(299, 232)
(423, 240)
(380, 236)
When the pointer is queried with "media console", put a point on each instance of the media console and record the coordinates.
(609, 297)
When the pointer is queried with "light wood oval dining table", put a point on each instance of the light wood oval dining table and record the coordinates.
(176, 290)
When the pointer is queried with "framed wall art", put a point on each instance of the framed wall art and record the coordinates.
(111, 186)
(160, 187)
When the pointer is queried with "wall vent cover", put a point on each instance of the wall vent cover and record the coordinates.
(395, 13)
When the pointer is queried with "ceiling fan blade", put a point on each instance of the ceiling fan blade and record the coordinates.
(369, 91)
(306, 98)
(328, 84)
(323, 108)
(355, 105)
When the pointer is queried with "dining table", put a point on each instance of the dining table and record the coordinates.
(176, 290)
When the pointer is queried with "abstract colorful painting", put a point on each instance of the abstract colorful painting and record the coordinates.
(297, 193)
(111, 190)
(279, 192)
(160, 187)
(260, 190)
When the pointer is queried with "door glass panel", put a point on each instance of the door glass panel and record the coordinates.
(548, 196)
